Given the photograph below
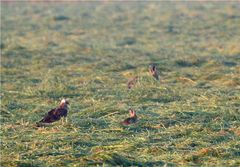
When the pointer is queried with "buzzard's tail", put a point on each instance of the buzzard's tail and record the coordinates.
(43, 121)
(39, 124)
(47, 119)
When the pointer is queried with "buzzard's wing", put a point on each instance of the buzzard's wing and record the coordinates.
(62, 112)
(50, 117)
(51, 112)
(54, 115)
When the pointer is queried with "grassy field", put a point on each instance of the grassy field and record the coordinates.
(87, 52)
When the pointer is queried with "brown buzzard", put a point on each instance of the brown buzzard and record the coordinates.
(56, 113)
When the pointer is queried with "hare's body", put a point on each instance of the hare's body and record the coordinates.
(132, 82)
(131, 120)
(153, 71)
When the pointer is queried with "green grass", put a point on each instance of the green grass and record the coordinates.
(87, 52)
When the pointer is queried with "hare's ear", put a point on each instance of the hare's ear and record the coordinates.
(150, 68)
(132, 112)
(154, 68)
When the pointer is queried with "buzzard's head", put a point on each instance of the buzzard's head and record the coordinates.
(64, 102)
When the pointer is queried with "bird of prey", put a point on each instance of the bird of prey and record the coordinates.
(56, 113)
(132, 119)
(153, 71)
(132, 82)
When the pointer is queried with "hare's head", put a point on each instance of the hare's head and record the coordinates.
(152, 69)
(132, 112)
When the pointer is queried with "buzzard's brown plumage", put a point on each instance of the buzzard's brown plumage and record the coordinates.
(153, 71)
(131, 120)
(56, 113)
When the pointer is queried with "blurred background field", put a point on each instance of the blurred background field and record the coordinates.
(87, 52)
